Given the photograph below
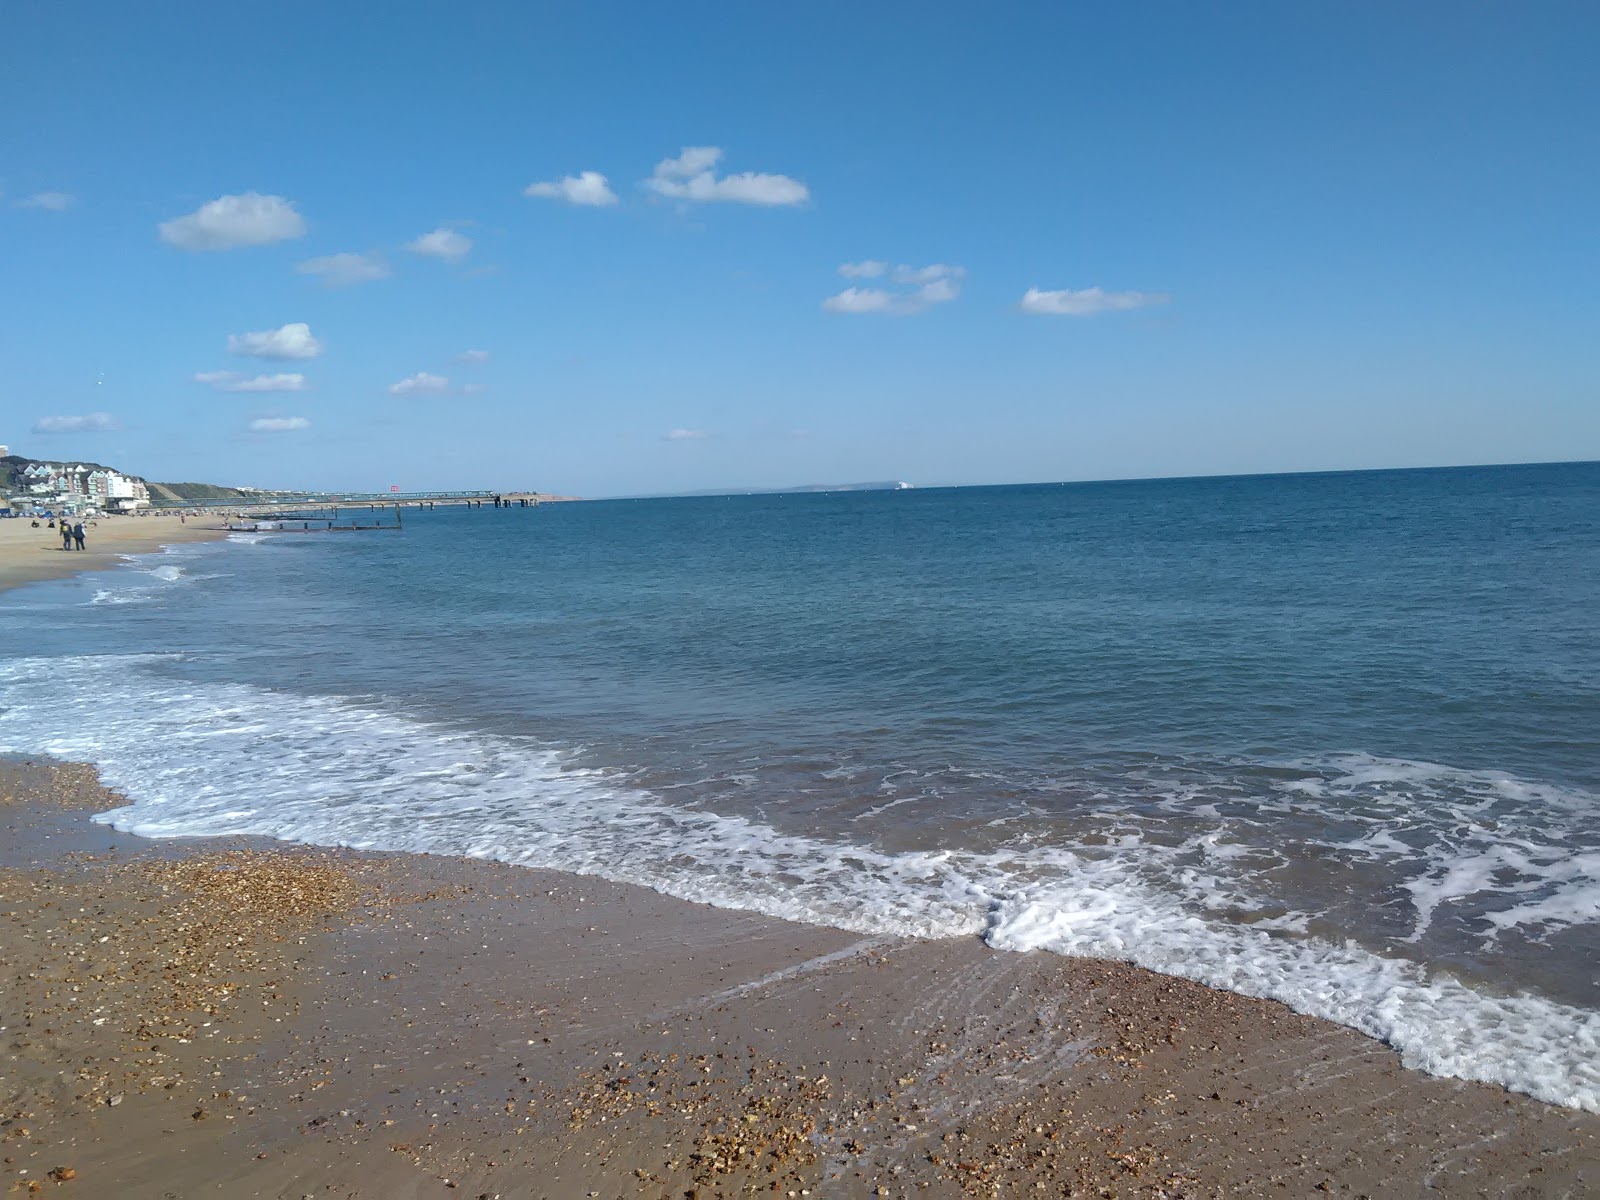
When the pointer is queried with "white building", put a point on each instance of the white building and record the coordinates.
(114, 491)
(74, 486)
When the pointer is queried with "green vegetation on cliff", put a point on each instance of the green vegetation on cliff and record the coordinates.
(197, 491)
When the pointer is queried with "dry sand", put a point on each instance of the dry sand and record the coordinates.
(28, 554)
(244, 1019)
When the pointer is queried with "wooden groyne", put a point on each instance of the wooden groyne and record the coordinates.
(316, 521)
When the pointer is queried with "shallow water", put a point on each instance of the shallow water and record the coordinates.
(1333, 739)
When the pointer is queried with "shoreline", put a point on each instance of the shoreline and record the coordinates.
(384, 1023)
(29, 555)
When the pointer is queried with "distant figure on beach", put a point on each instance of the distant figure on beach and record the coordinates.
(77, 534)
(66, 536)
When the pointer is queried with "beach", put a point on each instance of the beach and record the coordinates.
(28, 555)
(689, 866)
(686, 604)
(232, 1017)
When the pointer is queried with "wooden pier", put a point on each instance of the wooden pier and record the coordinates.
(321, 501)
(346, 515)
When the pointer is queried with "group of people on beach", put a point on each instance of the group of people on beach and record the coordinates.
(70, 534)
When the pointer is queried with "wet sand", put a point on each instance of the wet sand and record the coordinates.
(243, 1019)
(28, 555)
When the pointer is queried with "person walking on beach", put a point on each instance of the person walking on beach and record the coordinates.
(66, 536)
(77, 534)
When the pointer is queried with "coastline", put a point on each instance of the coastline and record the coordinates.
(250, 1018)
(29, 555)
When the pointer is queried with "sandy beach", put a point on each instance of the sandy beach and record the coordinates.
(244, 1018)
(28, 555)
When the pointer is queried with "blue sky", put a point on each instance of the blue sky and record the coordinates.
(1257, 237)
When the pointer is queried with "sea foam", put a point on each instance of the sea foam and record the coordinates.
(222, 758)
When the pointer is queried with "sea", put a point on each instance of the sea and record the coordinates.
(1332, 739)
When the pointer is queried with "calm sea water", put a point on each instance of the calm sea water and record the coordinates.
(1329, 738)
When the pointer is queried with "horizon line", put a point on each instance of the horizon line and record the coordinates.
(815, 488)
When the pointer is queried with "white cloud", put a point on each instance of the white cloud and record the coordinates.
(442, 243)
(278, 424)
(919, 288)
(693, 161)
(88, 423)
(250, 219)
(346, 270)
(692, 176)
(1086, 302)
(859, 300)
(871, 269)
(473, 357)
(49, 201)
(420, 384)
(683, 435)
(586, 188)
(288, 341)
(231, 381)
(268, 383)
(929, 274)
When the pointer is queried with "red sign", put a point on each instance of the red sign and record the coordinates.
(394, 487)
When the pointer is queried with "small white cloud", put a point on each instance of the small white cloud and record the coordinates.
(88, 423)
(473, 357)
(693, 161)
(859, 300)
(346, 270)
(919, 288)
(232, 381)
(692, 176)
(288, 341)
(683, 435)
(1086, 302)
(249, 219)
(49, 201)
(420, 384)
(870, 269)
(278, 424)
(442, 243)
(589, 188)
(267, 383)
(929, 274)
